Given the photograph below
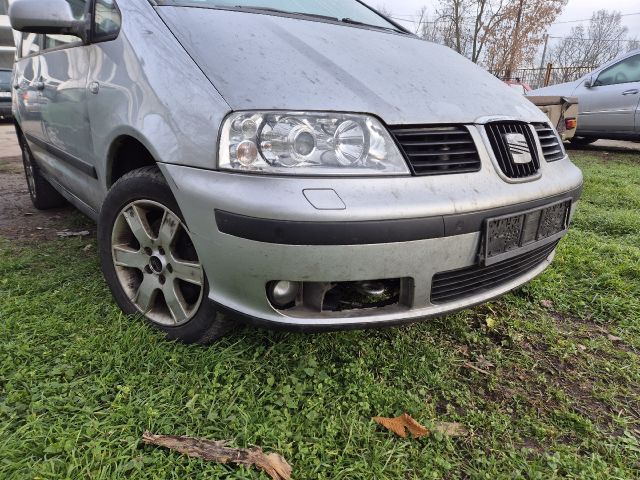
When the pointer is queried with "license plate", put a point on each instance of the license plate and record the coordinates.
(512, 235)
(5, 94)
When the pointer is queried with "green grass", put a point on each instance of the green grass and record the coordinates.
(80, 382)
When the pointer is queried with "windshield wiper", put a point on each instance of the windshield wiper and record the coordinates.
(346, 20)
(351, 21)
(277, 10)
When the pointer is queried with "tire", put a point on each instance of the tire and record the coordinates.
(582, 141)
(150, 263)
(43, 195)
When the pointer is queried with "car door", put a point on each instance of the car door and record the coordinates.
(609, 106)
(27, 86)
(64, 68)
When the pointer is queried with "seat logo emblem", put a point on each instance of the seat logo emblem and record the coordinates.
(519, 148)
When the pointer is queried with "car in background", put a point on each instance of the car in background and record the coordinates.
(5, 93)
(609, 100)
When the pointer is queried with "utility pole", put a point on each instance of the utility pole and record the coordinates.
(544, 58)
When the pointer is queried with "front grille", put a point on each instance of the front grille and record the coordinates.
(549, 141)
(457, 284)
(438, 150)
(497, 132)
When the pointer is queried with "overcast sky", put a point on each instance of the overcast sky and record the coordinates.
(575, 10)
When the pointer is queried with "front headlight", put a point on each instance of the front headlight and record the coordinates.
(307, 143)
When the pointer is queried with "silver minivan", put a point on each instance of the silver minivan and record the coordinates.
(308, 165)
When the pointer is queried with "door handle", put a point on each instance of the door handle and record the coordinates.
(39, 85)
(634, 91)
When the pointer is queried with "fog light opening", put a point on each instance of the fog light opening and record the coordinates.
(368, 294)
(283, 294)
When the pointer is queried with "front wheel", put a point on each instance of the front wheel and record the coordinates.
(149, 260)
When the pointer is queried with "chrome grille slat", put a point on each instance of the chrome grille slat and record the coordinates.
(551, 148)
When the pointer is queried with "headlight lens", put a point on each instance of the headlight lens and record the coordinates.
(306, 143)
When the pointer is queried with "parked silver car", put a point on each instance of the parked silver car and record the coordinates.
(609, 100)
(312, 167)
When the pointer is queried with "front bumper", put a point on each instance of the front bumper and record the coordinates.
(250, 231)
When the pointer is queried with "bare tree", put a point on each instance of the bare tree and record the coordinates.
(602, 40)
(488, 16)
(384, 10)
(516, 38)
(464, 25)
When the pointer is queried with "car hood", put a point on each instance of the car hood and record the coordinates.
(261, 61)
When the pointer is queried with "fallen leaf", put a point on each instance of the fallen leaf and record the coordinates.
(273, 464)
(546, 303)
(87, 248)
(451, 429)
(401, 424)
(491, 323)
(66, 234)
(613, 338)
(484, 363)
(582, 348)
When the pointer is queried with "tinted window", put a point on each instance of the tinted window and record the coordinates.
(339, 9)
(78, 7)
(624, 72)
(106, 19)
(30, 44)
(55, 41)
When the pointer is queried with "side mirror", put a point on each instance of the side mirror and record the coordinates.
(590, 82)
(51, 16)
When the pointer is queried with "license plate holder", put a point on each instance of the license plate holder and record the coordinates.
(5, 94)
(514, 234)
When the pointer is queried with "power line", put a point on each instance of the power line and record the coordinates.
(594, 39)
(397, 17)
(589, 19)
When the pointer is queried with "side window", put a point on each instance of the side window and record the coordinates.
(55, 41)
(106, 20)
(78, 7)
(624, 72)
(30, 44)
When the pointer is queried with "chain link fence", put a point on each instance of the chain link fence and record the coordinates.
(543, 77)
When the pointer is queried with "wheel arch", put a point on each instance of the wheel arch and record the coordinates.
(126, 153)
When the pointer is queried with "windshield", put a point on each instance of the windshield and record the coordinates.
(5, 77)
(338, 9)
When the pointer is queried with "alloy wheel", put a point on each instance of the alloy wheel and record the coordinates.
(156, 263)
